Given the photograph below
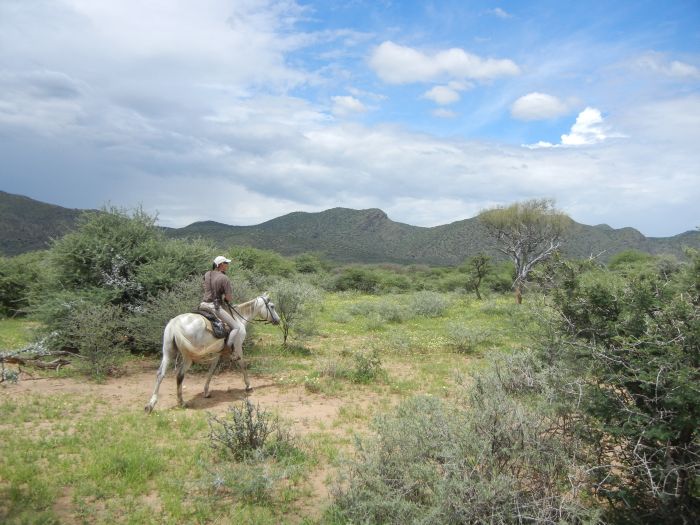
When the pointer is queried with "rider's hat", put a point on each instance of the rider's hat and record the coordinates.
(221, 259)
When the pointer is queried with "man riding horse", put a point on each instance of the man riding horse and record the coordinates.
(218, 295)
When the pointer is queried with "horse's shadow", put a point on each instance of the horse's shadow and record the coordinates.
(219, 397)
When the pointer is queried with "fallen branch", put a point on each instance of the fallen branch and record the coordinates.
(37, 360)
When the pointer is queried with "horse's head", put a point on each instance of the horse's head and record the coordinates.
(270, 314)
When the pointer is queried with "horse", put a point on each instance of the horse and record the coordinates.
(187, 335)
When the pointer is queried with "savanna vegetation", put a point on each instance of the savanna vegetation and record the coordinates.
(452, 403)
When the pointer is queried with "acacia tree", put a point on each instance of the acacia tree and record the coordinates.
(527, 232)
(477, 268)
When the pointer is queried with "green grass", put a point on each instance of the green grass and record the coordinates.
(15, 333)
(68, 458)
(128, 468)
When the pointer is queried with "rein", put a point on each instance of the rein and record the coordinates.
(267, 307)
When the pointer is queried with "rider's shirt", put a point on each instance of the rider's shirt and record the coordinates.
(216, 286)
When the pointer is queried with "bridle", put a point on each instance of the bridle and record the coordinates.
(269, 315)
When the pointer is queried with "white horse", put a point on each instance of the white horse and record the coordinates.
(187, 334)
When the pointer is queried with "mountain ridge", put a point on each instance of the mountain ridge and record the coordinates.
(340, 234)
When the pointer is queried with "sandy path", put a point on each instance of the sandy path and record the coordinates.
(304, 410)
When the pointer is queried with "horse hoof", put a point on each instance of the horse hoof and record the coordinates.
(148, 409)
(249, 389)
(207, 395)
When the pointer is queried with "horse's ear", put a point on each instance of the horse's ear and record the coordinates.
(266, 295)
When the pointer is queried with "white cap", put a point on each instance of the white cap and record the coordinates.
(221, 259)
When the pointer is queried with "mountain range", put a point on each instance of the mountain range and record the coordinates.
(338, 234)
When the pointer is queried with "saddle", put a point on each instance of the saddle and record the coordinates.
(215, 325)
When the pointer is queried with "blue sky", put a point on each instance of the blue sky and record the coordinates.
(242, 111)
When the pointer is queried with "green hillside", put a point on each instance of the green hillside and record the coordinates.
(339, 234)
(346, 235)
(27, 225)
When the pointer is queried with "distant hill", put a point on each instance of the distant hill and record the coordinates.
(27, 225)
(339, 234)
(347, 235)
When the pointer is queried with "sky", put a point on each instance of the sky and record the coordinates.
(241, 111)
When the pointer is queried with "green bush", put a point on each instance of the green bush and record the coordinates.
(58, 308)
(637, 334)
(310, 263)
(124, 255)
(296, 303)
(500, 278)
(383, 311)
(367, 367)
(357, 279)
(96, 332)
(492, 460)
(466, 339)
(429, 304)
(17, 276)
(245, 430)
(628, 258)
(265, 455)
(263, 262)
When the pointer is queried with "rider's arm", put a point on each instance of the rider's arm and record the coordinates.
(228, 292)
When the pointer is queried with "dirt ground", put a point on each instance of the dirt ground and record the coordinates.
(306, 412)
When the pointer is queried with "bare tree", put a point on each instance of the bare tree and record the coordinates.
(477, 267)
(527, 232)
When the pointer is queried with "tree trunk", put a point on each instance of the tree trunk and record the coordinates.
(518, 294)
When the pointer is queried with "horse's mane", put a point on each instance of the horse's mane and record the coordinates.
(245, 309)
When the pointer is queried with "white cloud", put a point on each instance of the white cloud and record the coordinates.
(347, 105)
(397, 64)
(316, 164)
(443, 113)
(500, 13)
(590, 128)
(142, 109)
(442, 95)
(657, 64)
(538, 106)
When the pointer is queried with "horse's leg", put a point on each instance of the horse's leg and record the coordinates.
(235, 342)
(169, 352)
(212, 369)
(181, 371)
(237, 357)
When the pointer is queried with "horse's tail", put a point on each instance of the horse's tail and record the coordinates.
(186, 347)
(182, 343)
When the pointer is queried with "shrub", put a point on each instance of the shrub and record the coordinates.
(264, 454)
(17, 275)
(310, 263)
(96, 332)
(628, 258)
(246, 429)
(58, 310)
(359, 279)
(264, 262)
(368, 367)
(429, 304)
(466, 339)
(637, 335)
(113, 257)
(500, 278)
(433, 462)
(294, 301)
